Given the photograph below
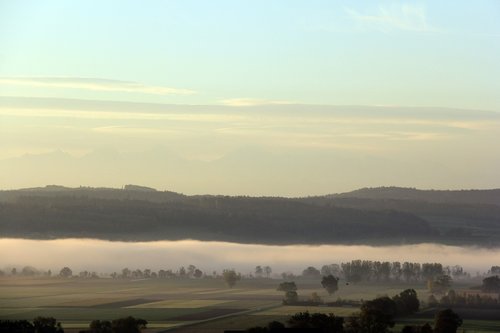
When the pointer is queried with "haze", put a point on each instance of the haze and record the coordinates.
(272, 150)
(250, 99)
(227, 137)
(104, 256)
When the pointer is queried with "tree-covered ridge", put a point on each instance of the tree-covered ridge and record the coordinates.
(140, 213)
(491, 196)
(206, 218)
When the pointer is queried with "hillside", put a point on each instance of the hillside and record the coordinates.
(436, 196)
(360, 217)
(458, 217)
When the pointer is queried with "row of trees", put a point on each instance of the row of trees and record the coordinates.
(440, 284)
(474, 300)
(367, 270)
(354, 271)
(126, 273)
(263, 271)
(51, 325)
(329, 282)
(39, 325)
(375, 316)
(372, 319)
(121, 325)
(230, 276)
(28, 271)
(381, 271)
(491, 284)
(487, 296)
(189, 272)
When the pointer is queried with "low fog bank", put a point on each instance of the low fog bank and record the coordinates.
(105, 256)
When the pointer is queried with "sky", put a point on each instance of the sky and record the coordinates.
(250, 97)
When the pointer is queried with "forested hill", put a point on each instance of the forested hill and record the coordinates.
(436, 196)
(129, 192)
(139, 213)
(458, 217)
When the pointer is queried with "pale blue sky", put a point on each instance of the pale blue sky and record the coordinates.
(423, 53)
(88, 95)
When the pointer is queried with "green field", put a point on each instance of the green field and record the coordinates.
(189, 305)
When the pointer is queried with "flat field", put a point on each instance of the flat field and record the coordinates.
(164, 303)
(188, 305)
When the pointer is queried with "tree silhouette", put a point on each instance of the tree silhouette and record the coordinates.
(407, 302)
(197, 273)
(128, 325)
(330, 283)
(323, 322)
(291, 297)
(100, 326)
(16, 326)
(287, 286)
(376, 316)
(66, 272)
(491, 284)
(231, 277)
(290, 289)
(441, 284)
(447, 321)
(258, 271)
(268, 270)
(311, 272)
(47, 325)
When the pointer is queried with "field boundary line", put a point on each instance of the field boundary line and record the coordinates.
(193, 323)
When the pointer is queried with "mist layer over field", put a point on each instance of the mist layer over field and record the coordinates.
(105, 256)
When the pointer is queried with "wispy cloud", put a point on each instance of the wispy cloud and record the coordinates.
(113, 115)
(398, 136)
(127, 130)
(361, 139)
(268, 120)
(407, 17)
(94, 84)
(252, 102)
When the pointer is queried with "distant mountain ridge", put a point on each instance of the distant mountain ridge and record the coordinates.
(379, 216)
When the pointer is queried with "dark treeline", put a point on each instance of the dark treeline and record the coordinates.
(205, 218)
(483, 299)
(367, 270)
(438, 196)
(354, 271)
(135, 192)
(375, 316)
(38, 325)
(51, 325)
(435, 275)
(383, 271)
(376, 216)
